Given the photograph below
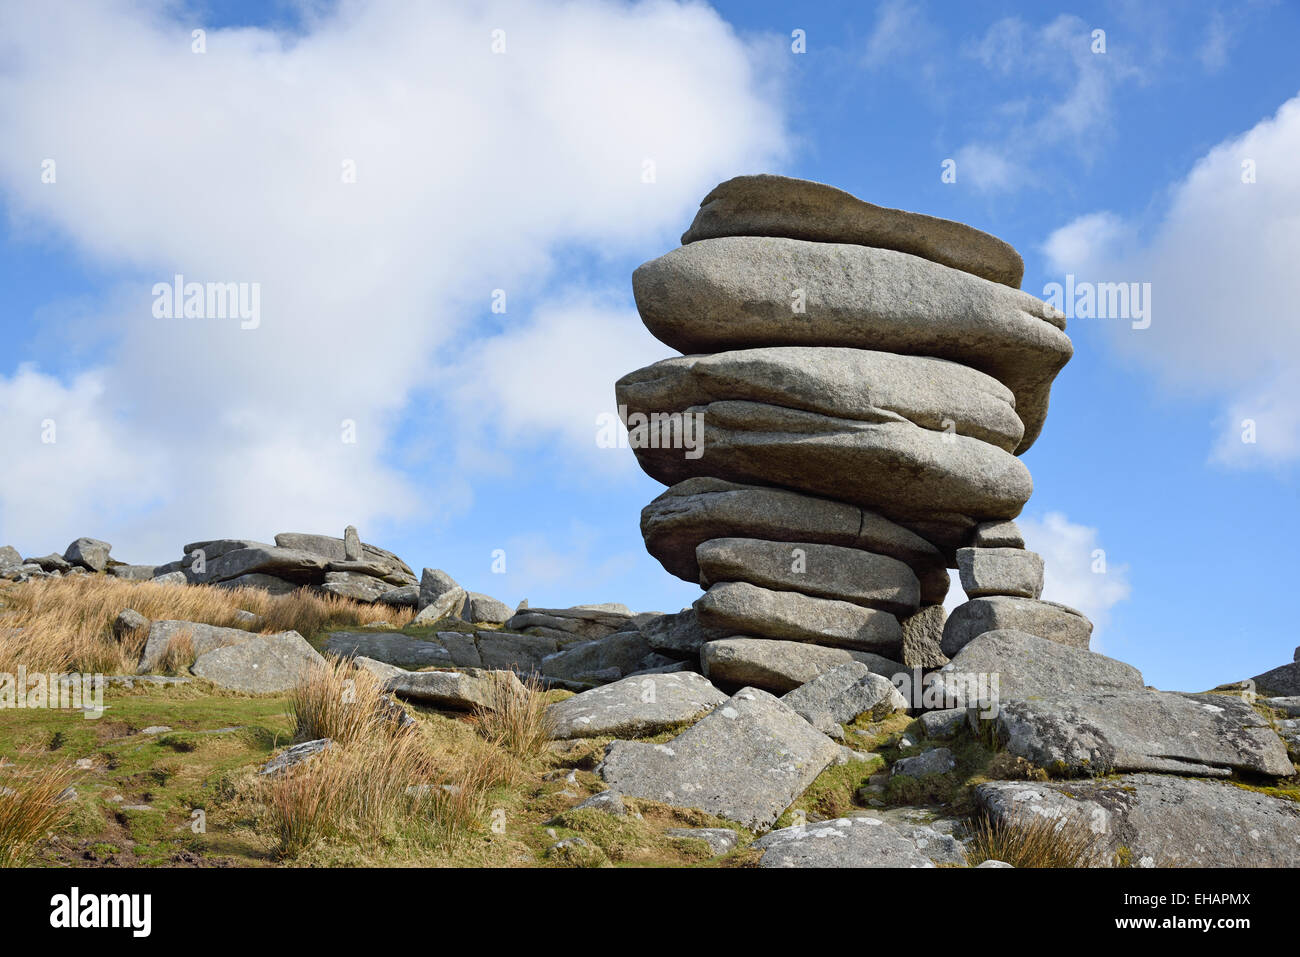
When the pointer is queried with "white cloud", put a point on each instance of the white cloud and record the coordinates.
(1221, 263)
(1219, 37)
(1076, 574)
(899, 30)
(1069, 107)
(472, 171)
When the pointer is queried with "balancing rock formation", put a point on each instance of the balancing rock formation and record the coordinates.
(845, 425)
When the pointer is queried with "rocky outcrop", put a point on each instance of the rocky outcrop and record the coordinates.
(857, 385)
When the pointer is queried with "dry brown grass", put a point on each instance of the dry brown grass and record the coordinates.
(1036, 841)
(517, 723)
(178, 655)
(30, 808)
(339, 701)
(65, 624)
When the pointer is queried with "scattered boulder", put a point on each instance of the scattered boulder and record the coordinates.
(838, 696)
(263, 664)
(781, 666)
(129, 623)
(484, 609)
(391, 647)
(746, 761)
(635, 707)
(89, 553)
(843, 842)
(721, 840)
(1103, 731)
(1160, 820)
(294, 755)
(933, 761)
(455, 690)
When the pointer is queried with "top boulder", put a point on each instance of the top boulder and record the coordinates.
(767, 205)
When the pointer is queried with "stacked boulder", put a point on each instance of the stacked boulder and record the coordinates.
(844, 426)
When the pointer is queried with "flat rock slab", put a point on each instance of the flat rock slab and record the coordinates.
(264, 664)
(391, 647)
(746, 761)
(856, 384)
(843, 842)
(1104, 731)
(1047, 619)
(823, 571)
(735, 293)
(939, 481)
(744, 609)
(635, 707)
(294, 755)
(1000, 571)
(1027, 666)
(704, 508)
(770, 205)
(456, 690)
(1161, 820)
(620, 653)
(781, 666)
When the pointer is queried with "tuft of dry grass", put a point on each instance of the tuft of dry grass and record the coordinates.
(178, 655)
(58, 625)
(340, 701)
(30, 808)
(1036, 841)
(519, 724)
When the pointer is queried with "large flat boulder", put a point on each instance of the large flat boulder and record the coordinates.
(288, 564)
(1159, 820)
(336, 550)
(264, 664)
(391, 647)
(843, 842)
(746, 761)
(701, 509)
(781, 666)
(356, 586)
(841, 383)
(1046, 619)
(743, 609)
(770, 205)
(938, 483)
(1026, 666)
(635, 707)
(1103, 731)
(824, 571)
(455, 690)
(737, 293)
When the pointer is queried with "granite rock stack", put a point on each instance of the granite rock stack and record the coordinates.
(845, 423)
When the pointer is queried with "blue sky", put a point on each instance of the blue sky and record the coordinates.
(522, 171)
